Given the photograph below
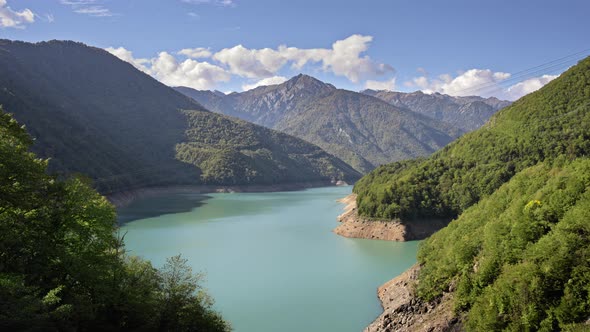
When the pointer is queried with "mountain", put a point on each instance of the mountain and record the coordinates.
(94, 114)
(365, 131)
(264, 105)
(64, 266)
(516, 256)
(467, 113)
(546, 124)
(361, 130)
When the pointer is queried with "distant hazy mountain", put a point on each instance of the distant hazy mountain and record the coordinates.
(94, 114)
(363, 131)
(467, 113)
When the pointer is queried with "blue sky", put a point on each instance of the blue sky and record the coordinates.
(454, 46)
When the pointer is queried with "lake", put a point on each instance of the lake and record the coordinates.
(271, 260)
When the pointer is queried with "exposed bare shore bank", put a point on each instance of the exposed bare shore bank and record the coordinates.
(124, 198)
(403, 311)
(352, 225)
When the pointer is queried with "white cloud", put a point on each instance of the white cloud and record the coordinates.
(96, 11)
(196, 53)
(471, 82)
(168, 70)
(88, 7)
(480, 82)
(525, 87)
(191, 73)
(126, 55)
(13, 18)
(264, 82)
(251, 63)
(381, 85)
(223, 3)
(261, 66)
(343, 59)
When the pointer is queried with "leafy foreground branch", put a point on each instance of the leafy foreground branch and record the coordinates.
(63, 268)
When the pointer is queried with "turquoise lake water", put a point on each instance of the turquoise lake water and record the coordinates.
(271, 260)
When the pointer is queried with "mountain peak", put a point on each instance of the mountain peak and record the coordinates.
(305, 81)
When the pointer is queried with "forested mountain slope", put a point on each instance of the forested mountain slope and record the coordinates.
(94, 114)
(550, 123)
(516, 256)
(361, 130)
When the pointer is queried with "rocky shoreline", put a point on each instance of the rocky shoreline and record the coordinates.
(354, 226)
(403, 311)
(124, 198)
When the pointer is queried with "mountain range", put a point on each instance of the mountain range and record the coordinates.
(466, 113)
(93, 114)
(364, 129)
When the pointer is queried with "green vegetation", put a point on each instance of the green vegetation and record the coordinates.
(520, 258)
(517, 257)
(232, 151)
(361, 130)
(63, 268)
(93, 114)
(544, 125)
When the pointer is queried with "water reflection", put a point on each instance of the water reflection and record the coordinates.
(160, 205)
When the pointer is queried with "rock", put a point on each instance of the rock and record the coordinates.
(354, 226)
(404, 311)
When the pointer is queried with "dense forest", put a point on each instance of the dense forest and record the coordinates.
(91, 113)
(64, 267)
(516, 257)
(519, 260)
(552, 122)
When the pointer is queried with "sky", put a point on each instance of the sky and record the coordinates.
(459, 47)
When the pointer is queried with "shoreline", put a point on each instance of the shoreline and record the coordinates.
(354, 226)
(126, 197)
(403, 311)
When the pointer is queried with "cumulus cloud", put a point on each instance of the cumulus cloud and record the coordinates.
(126, 55)
(191, 73)
(196, 53)
(10, 18)
(264, 82)
(471, 82)
(525, 87)
(168, 70)
(261, 66)
(251, 63)
(481, 82)
(343, 59)
(380, 85)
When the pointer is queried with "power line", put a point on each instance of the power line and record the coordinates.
(522, 75)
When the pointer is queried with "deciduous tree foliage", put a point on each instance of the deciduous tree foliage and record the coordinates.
(517, 257)
(63, 268)
(552, 122)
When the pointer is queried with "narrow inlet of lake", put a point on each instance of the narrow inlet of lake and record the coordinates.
(271, 260)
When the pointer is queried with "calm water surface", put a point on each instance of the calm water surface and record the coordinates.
(271, 260)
